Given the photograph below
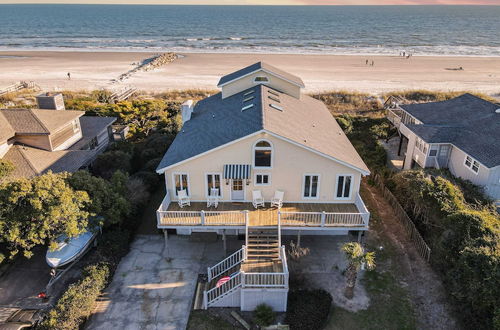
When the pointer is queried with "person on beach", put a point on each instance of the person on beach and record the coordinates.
(69, 76)
(373, 63)
(366, 62)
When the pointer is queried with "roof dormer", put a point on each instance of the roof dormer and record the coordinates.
(260, 73)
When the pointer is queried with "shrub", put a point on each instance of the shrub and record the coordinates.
(308, 309)
(111, 161)
(114, 244)
(263, 315)
(6, 167)
(465, 243)
(77, 303)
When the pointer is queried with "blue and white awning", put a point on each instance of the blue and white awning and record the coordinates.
(236, 171)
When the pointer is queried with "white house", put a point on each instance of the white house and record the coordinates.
(260, 137)
(460, 134)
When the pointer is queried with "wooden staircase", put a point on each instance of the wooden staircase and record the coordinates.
(263, 243)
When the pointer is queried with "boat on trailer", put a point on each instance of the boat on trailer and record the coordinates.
(69, 249)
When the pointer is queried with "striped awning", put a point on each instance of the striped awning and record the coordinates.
(236, 171)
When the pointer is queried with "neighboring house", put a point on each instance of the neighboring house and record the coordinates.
(461, 134)
(38, 140)
(260, 135)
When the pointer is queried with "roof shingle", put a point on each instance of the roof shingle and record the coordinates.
(260, 66)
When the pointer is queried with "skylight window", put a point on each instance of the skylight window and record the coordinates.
(277, 107)
(249, 98)
(246, 107)
(275, 99)
(249, 92)
(273, 92)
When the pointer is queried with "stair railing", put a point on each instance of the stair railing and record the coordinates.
(218, 292)
(226, 264)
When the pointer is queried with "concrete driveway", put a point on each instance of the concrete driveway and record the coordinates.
(151, 291)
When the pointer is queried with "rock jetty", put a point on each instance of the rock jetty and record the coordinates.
(148, 64)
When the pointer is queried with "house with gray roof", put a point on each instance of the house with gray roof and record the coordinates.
(460, 134)
(38, 140)
(259, 159)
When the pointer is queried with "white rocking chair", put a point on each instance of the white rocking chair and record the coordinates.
(213, 198)
(278, 199)
(257, 199)
(183, 198)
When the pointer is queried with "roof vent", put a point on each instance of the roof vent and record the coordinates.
(249, 92)
(249, 98)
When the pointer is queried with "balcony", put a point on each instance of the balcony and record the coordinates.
(353, 216)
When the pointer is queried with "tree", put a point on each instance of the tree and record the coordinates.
(35, 211)
(356, 256)
(106, 200)
(111, 161)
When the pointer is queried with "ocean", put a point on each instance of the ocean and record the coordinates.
(420, 30)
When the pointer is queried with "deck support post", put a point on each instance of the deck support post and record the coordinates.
(224, 243)
(400, 144)
(165, 247)
(360, 235)
(298, 238)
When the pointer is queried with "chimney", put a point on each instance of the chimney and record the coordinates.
(186, 110)
(50, 101)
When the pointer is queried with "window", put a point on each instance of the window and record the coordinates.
(433, 151)
(76, 126)
(93, 143)
(262, 179)
(262, 154)
(213, 181)
(311, 186)
(472, 164)
(344, 187)
(421, 145)
(261, 79)
(181, 183)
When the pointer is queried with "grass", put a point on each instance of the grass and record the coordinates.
(345, 102)
(203, 320)
(422, 95)
(390, 304)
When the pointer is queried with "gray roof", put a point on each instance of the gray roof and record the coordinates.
(37, 121)
(91, 127)
(468, 122)
(260, 66)
(216, 121)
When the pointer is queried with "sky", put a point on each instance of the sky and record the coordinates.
(270, 2)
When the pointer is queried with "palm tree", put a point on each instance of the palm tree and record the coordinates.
(356, 256)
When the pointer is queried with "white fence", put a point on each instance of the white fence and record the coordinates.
(218, 292)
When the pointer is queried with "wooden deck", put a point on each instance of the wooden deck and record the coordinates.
(257, 217)
(275, 266)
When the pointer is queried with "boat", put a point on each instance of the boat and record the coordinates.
(69, 249)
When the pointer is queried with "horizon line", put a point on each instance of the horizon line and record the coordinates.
(249, 5)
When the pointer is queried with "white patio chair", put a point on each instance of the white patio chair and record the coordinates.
(183, 198)
(213, 198)
(257, 199)
(278, 199)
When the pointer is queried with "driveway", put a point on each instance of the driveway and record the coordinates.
(153, 289)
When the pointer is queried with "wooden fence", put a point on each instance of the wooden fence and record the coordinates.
(422, 248)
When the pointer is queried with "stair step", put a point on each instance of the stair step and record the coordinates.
(264, 245)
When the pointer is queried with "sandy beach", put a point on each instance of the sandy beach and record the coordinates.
(96, 70)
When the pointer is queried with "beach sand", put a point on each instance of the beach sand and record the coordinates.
(96, 70)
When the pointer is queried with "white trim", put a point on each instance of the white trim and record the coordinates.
(266, 71)
(162, 170)
(262, 184)
(337, 186)
(221, 183)
(173, 183)
(472, 164)
(231, 191)
(363, 172)
(254, 148)
(304, 187)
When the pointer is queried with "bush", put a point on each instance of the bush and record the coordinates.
(263, 315)
(465, 243)
(111, 161)
(114, 244)
(77, 303)
(308, 309)
(6, 167)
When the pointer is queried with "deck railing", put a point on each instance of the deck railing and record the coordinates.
(264, 280)
(218, 292)
(201, 218)
(394, 116)
(226, 264)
